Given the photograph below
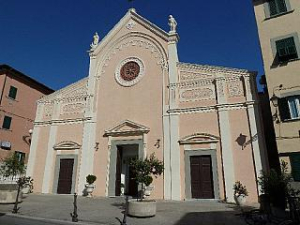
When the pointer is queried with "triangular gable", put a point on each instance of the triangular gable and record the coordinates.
(78, 88)
(127, 128)
(199, 138)
(66, 145)
(131, 15)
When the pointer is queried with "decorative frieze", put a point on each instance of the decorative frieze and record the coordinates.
(191, 75)
(48, 110)
(197, 94)
(136, 42)
(130, 25)
(235, 88)
(73, 108)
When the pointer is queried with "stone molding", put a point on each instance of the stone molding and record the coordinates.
(212, 108)
(127, 128)
(67, 91)
(131, 15)
(199, 138)
(66, 145)
(214, 69)
(135, 39)
(62, 121)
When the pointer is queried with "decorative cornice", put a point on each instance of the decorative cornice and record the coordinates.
(131, 15)
(199, 138)
(66, 145)
(202, 109)
(62, 121)
(55, 96)
(192, 83)
(214, 69)
(131, 128)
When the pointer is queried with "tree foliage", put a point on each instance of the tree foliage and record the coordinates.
(144, 169)
(12, 166)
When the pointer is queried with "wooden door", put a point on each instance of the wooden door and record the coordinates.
(133, 186)
(118, 172)
(201, 177)
(65, 176)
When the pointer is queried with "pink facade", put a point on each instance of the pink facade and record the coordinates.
(20, 106)
(139, 99)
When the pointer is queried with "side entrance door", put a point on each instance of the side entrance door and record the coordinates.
(65, 176)
(201, 177)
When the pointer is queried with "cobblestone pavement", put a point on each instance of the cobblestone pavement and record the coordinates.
(99, 210)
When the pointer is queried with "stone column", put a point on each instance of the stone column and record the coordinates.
(255, 133)
(172, 179)
(34, 141)
(225, 133)
(50, 160)
(86, 165)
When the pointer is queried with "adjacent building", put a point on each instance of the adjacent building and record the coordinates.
(279, 30)
(18, 96)
(138, 99)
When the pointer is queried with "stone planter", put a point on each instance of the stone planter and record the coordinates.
(89, 188)
(26, 189)
(8, 193)
(147, 191)
(240, 199)
(145, 208)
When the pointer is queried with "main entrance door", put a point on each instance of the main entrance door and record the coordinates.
(201, 177)
(125, 181)
(65, 176)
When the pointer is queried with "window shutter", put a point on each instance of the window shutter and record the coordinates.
(281, 6)
(281, 49)
(295, 164)
(13, 92)
(283, 109)
(290, 46)
(272, 7)
(6, 122)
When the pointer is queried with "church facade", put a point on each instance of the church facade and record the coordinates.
(201, 121)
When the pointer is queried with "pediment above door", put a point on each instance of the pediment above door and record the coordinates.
(199, 138)
(127, 128)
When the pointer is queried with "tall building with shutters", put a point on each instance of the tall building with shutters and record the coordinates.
(200, 120)
(18, 96)
(279, 33)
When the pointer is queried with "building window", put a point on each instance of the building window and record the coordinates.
(286, 49)
(13, 92)
(20, 156)
(277, 7)
(6, 122)
(295, 165)
(289, 107)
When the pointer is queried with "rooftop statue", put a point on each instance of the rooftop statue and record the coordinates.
(172, 24)
(95, 41)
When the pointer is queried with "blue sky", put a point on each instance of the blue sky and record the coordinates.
(48, 40)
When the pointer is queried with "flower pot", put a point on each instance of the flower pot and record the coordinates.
(145, 208)
(89, 188)
(240, 199)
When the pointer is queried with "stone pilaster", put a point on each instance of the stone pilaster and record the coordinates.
(225, 133)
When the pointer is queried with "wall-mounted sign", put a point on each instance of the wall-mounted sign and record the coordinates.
(6, 145)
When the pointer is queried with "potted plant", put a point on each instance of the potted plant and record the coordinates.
(11, 168)
(122, 189)
(276, 187)
(28, 185)
(90, 179)
(240, 193)
(144, 170)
